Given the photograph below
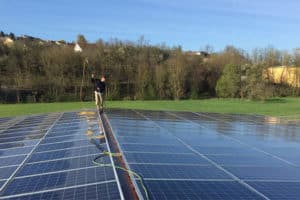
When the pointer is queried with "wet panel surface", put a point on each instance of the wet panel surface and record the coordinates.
(50, 157)
(237, 153)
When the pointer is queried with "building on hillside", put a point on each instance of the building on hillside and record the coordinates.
(77, 48)
(197, 53)
(284, 74)
(205, 55)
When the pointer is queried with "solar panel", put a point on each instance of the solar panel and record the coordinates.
(38, 160)
(184, 155)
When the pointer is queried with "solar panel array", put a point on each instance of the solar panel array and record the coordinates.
(183, 155)
(180, 155)
(50, 157)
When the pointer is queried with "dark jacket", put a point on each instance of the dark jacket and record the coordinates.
(99, 86)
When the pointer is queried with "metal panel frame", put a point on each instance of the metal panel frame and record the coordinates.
(133, 180)
(111, 159)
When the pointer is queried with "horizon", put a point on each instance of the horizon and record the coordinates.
(191, 25)
(159, 45)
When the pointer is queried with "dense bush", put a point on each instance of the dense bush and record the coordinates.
(229, 85)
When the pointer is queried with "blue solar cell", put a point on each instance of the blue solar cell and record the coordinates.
(278, 190)
(22, 133)
(149, 140)
(30, 128)
(57, 165)
(63, 145)
(266, 173)
(15, 151)
(65, 153)
(67, 138)
(178, 126)
(286, 153)
(140, 132)
(2, 183)
(198, 133)
(130, 119)
(103, 191)
(66, 132)
(139, 129)
(178, 190)
(220, 122)
(59, 180)
(164, 158)
(19, 139)
(267, 143)
(71, 126)
(179, 172)
(295, 159)
(136, 121)
(283, 151)
(155, 148)
(13, 160)
(63, 124)
(225, 150)
(68, 128)
(11, 131)
(31, 125)
(74, 119)
(254, 160)
(6, 172)
(18, 144)
(158, 115)
(219, 142)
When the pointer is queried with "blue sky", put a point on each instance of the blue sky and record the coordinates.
(192, 24)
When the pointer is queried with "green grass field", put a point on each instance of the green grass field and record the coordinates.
(271, 107)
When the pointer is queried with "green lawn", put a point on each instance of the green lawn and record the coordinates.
(272, 107)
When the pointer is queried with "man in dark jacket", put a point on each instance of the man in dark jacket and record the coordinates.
(99, 89)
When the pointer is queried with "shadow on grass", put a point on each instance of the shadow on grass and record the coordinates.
(276, 100)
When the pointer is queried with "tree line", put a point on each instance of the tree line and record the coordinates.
(40, 71)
